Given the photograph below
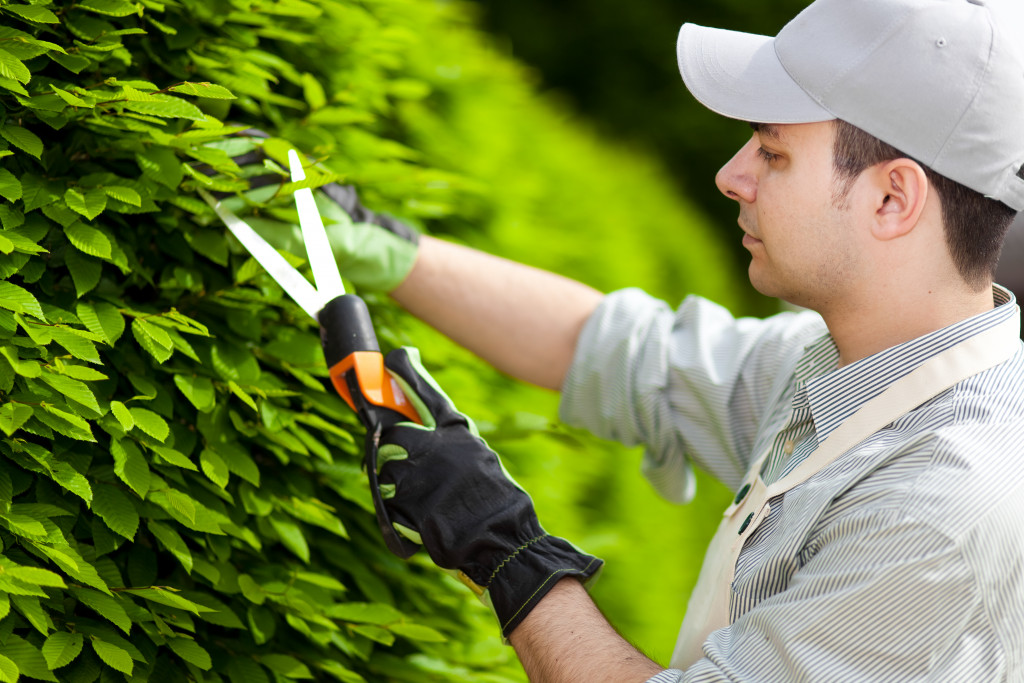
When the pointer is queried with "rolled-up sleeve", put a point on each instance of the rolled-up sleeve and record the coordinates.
(690, 385)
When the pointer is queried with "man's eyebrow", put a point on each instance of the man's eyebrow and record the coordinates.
(769, 129)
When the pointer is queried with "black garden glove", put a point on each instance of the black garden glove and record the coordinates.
(444, 488)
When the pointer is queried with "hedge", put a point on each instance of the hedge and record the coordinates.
(180, 493)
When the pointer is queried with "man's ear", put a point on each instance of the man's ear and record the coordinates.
(900, 188)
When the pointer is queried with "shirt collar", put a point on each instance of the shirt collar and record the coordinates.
(836, 393)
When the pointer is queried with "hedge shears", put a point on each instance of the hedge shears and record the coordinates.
(346, 333)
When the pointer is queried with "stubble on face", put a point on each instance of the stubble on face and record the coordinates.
(806, 257)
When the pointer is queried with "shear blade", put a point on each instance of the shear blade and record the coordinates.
(291, 280)
(321, 257)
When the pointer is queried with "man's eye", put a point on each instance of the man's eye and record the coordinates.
(766, 155)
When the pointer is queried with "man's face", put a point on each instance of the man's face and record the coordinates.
(802, 245)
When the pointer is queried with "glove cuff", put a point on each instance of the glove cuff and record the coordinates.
(526, 576)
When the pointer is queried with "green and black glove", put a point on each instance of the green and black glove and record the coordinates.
(374, 251)
(445, 489)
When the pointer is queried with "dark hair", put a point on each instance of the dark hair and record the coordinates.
(974, 225)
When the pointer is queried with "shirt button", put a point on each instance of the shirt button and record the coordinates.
(788, 448)
(742, 494)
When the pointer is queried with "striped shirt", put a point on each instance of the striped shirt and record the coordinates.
(903, 560)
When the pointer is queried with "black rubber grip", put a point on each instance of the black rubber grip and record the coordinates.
(345, 327)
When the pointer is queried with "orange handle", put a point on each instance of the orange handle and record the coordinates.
(375, 384)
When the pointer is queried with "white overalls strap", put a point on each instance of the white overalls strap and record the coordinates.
(708, 609)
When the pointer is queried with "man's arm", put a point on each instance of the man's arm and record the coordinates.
(566, 638)
(522, 320)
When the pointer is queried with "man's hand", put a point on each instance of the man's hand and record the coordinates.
(446, 489)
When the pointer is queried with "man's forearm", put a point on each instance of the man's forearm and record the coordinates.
(566, 638)
(522, 320)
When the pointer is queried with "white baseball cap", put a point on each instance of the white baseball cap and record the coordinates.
(940, 80)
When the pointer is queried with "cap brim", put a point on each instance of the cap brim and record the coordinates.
(739, 75)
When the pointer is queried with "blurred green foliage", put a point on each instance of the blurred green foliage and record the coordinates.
(616, 63)
(180, 494)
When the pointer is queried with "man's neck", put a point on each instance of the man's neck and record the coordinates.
(862, 330)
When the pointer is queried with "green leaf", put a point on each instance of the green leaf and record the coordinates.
(23, 525)
(102, 319)
(107, 606)
(151, 423)
(418, 632)
(72, 99)
(162, 165)
(113, 656)
(73, 63)
(67, 424)
(251, 590)
(81, 372)
(286, 665)
(9, 671)
(29, 607)
(153, 339)
(6, 493)
(198, 390)
(19, 300)
(116, 510)
(242, 669)
(86, 238)
(174, 458)
(173, 542)
(24, 368)
(123, 415)
(130, 465)
(214, 467)
(75, 343)
(13, 416)
(90, 204)
(36, 576)
(10, 187)
(29, 660)
(291, 536)
(240, 462)
(12, 67)
(38, 191)
(210, 90)
(21, 138)
(313, 91)
(33, 13)
(182, 503)
(68, 559)
(365, 613)
(14, 86)
(61, 648)
(85, 272)
(113, 8)
(71, 479)
(123, 194)
(169, 598)
(167, 106)
(375, 633)
(191, 652)
(240, 393)
(72, 389)
(262, 625)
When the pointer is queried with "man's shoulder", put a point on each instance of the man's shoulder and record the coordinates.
(954, 460)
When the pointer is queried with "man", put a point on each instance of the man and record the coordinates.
(875, 443)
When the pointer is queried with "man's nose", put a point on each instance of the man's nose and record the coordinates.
(738, 178)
